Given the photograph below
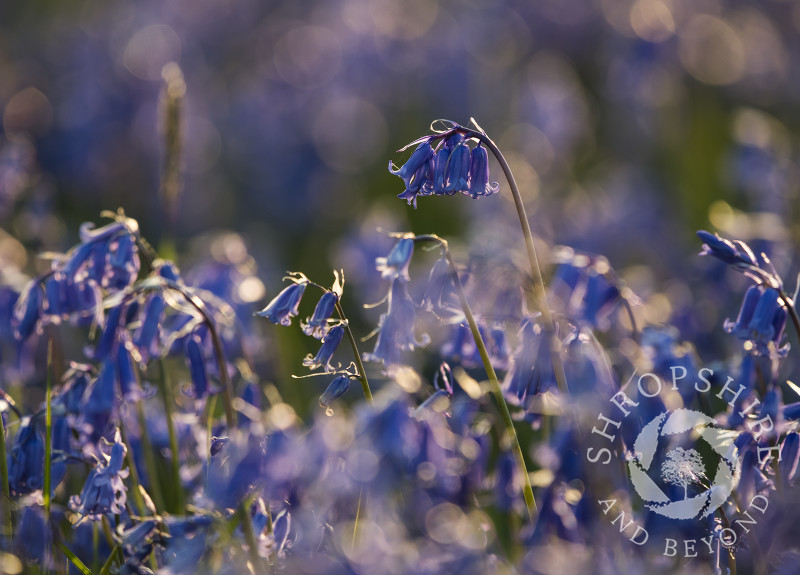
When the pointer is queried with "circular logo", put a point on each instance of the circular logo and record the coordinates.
(683, 468)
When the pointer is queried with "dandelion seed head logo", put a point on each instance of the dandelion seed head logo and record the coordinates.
(683, 467)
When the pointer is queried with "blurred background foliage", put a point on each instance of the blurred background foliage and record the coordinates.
(629, 125)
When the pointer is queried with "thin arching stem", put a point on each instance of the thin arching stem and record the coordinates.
(540, 292)
(508, 422)
(362, 373)
(362, 377)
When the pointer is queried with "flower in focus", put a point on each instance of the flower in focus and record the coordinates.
(329, 344)
(317, 325)
(444, 164)
(284, 306)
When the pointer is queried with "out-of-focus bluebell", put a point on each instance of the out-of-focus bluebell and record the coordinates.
(317, 325)
(138, 543)
(104, 492)
(235, 470)
(285, 305)
(324, 356)
(145, 338)
(26, 461)
(396, 328)
(435, 296)
(33, 535)
(738, 254)
(789, 455)
(100, 401)
(761, 321)
(395, 265)
(531, 371)
(196, 362)
(27, 310)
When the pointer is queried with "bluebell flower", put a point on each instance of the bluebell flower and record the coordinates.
(762, 319)
(736, 253)
(100, 401)
(396, 328)
(104, 492)
(329, 344)
(479, 174)
(458, 168)
(317, 325)
(395, 265)
(138, 543)
(434, 297)
(26, 461)
(414, 171)
(150, 322)
(789, 455)
(27, 310)
(32, 534)
(196, 362)
(235, 470)
(335, 390)
(531, 371)
(284, 306)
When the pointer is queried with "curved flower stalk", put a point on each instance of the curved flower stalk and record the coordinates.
(740, 257)
(322, 326)
(398, 323)
(451, 169)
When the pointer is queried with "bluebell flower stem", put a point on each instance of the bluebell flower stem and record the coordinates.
(362, 374)
(8, 528)
(250, 538)
(792, 311)
(79, 565)
(508, 422)
(149, 459)
(219, 352)
(540, 291)
(134, 473)
(48, 425)
(166, 397)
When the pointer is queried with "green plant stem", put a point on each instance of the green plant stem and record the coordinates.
(511, 432)
(150, 460)
(219, 353)
(250, 539)
(536, 272)
(79, 565)
(134, 473)
(110, 561)
(359, 364)
(166, 397)
(792, 311)
(48, 424)
(6, 490)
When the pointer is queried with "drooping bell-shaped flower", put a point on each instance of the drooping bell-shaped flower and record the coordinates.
(335, 390)
(396, 263)
(458, 169)
(285, 305)
(329, 344)
(104, 492)
(317, 325)
(396, 327)
(479, 174)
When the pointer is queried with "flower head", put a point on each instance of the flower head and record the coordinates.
(284, 306)
(317, 325)
(329, 344)
(104, 491)
(396, 263)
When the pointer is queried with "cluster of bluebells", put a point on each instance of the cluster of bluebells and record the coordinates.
(419, 479)
(320, 325)
(443, 164)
